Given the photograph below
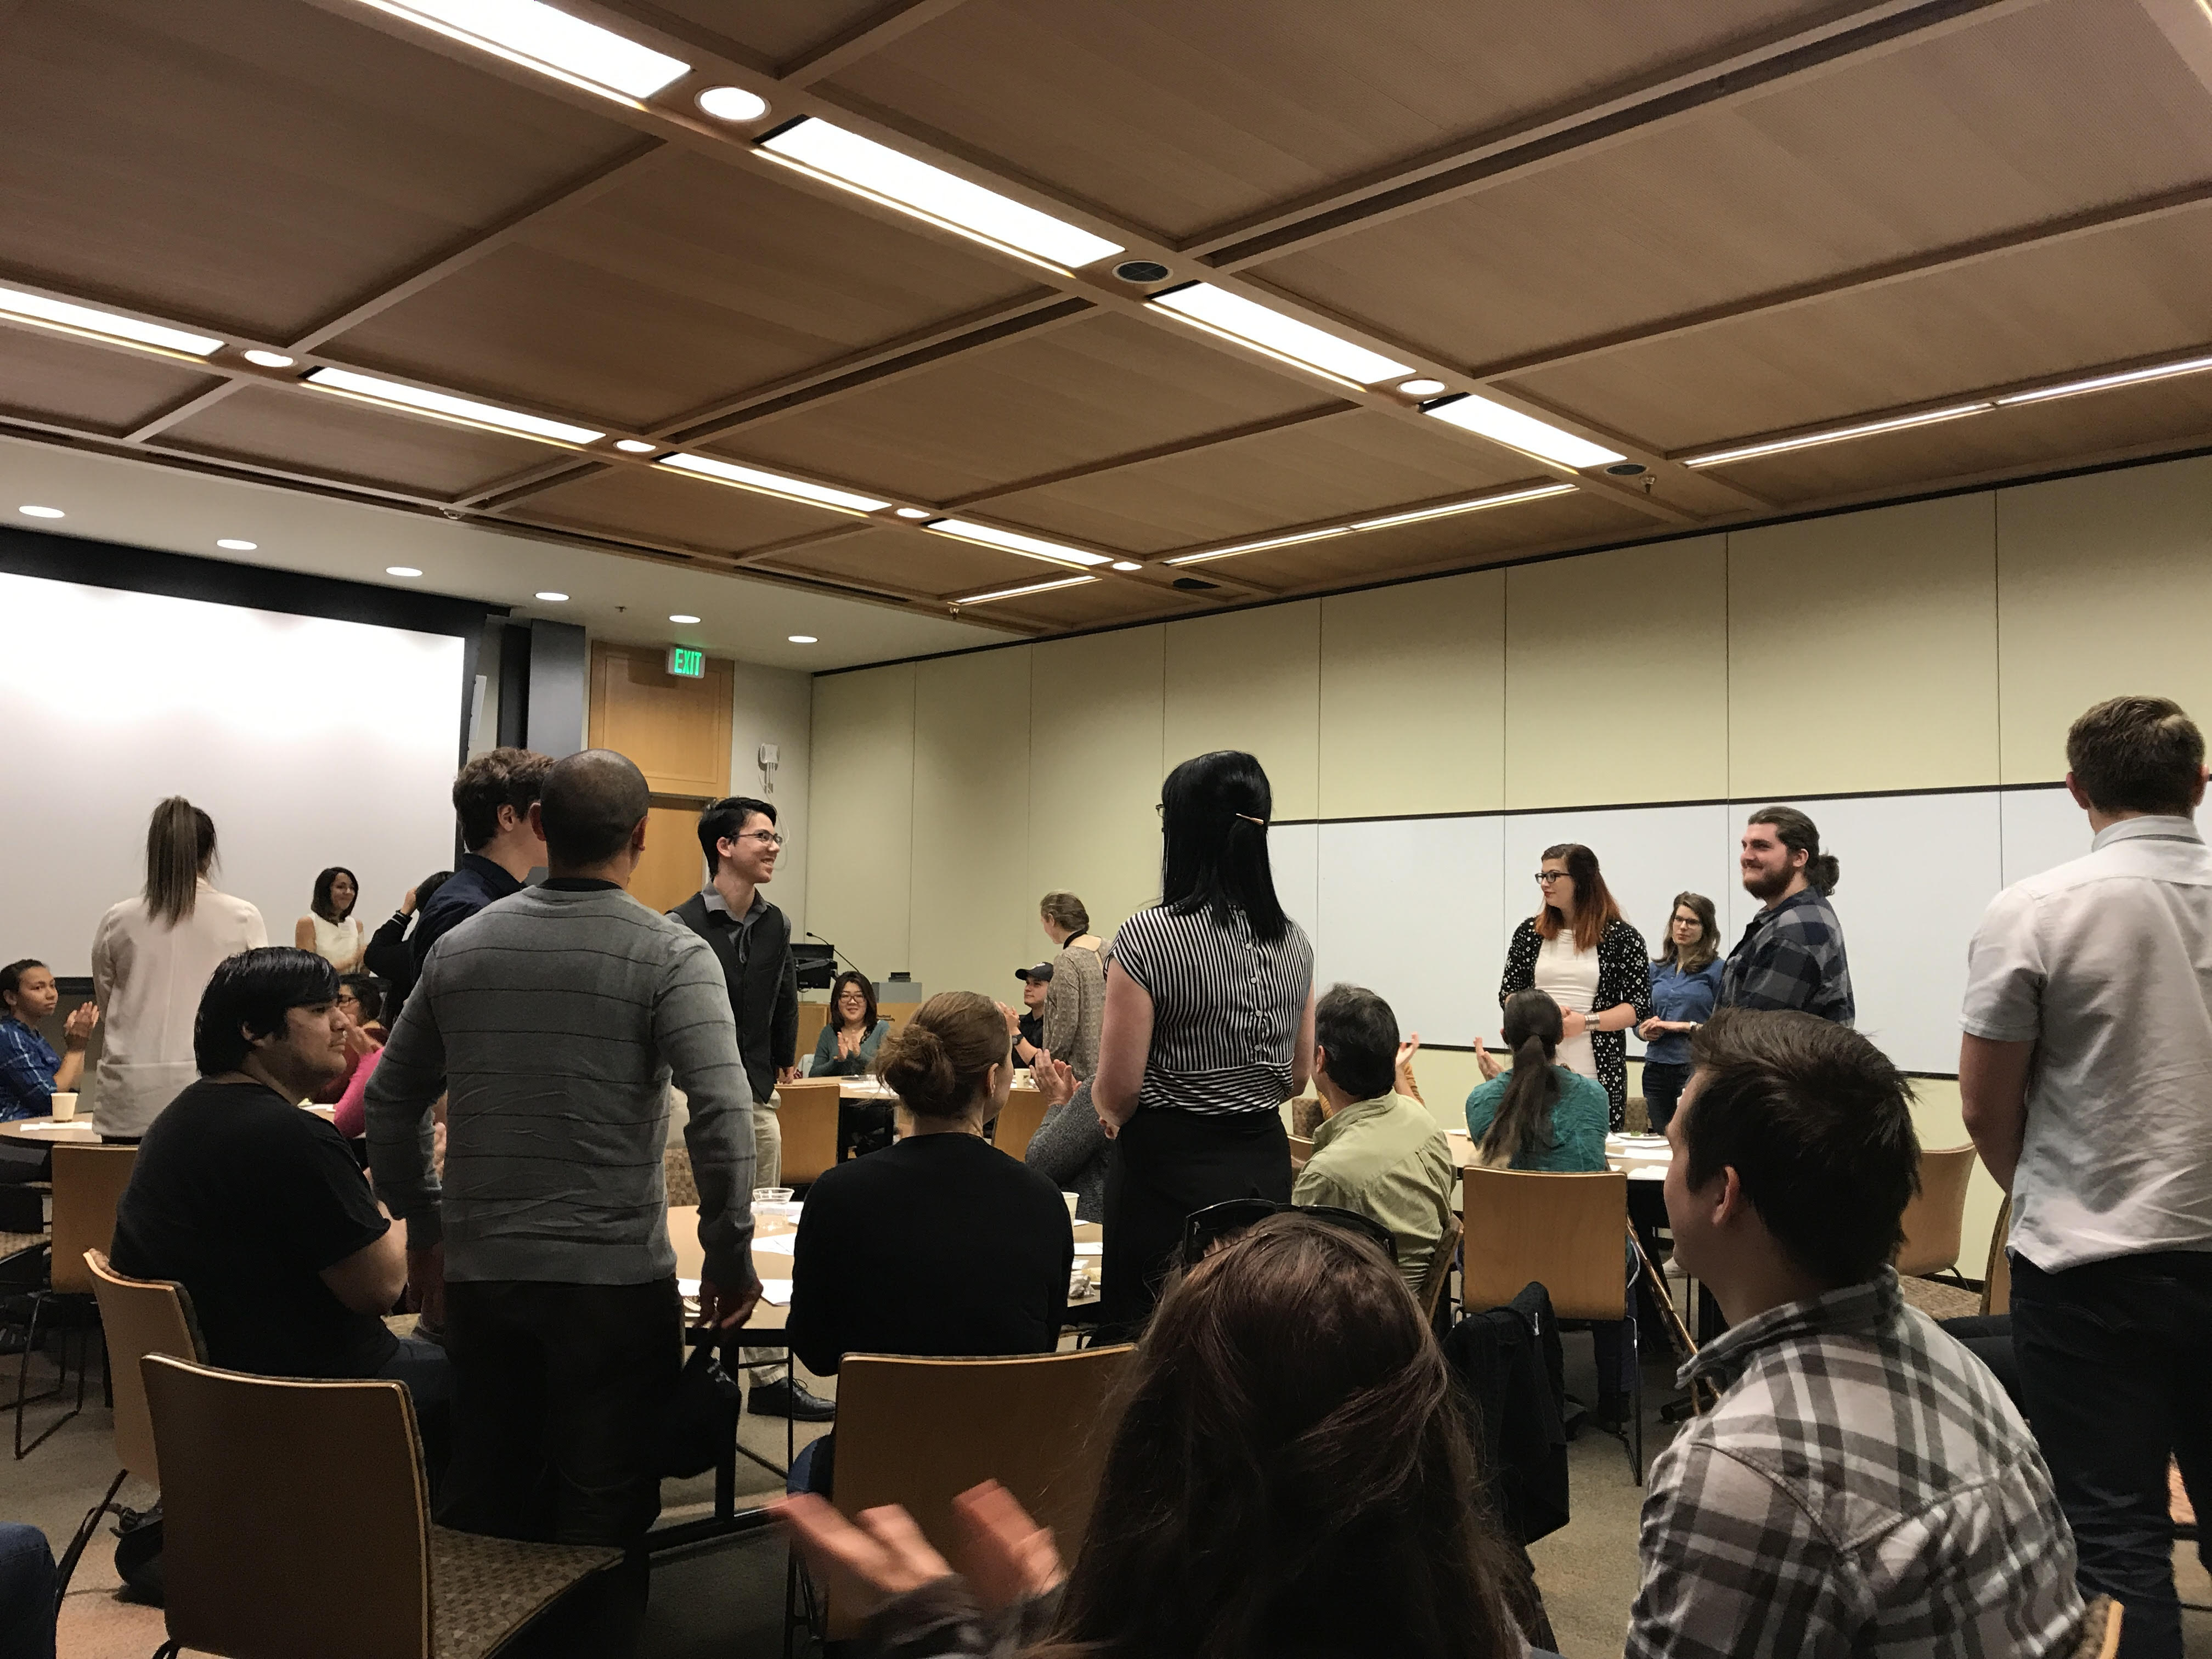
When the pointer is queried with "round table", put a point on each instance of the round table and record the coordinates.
(45, 1132)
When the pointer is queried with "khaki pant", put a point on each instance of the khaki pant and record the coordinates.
(768, 1143)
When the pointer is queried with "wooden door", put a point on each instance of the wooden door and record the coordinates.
(672, 869)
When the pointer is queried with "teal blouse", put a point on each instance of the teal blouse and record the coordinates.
(1579, 1118)
(826, 1063)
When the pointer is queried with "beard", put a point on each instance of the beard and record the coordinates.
(1767, 886)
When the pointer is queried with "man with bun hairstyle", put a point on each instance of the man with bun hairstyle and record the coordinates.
(1791, 954)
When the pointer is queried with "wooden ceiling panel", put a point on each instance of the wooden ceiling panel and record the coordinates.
(1180, 117)
(645, 504)
(1358, 462)
(254, 164)
(51, 377)
(338, 439)
(1472, 539)
(1096, 605)
(2134, 292)
(913, 561)
(1103, 386)
(693, 282)
(777, 30)
(2006, 123)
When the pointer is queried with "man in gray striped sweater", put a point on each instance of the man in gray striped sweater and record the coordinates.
(554, 1018)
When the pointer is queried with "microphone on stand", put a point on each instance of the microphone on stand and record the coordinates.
(842, 956)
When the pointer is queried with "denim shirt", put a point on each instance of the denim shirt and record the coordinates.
(1678, 995)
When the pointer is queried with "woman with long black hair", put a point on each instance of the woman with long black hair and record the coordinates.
(1209, 1027)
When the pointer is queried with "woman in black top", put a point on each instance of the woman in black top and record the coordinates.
(941, 1244)
(1579, 949)
(388, 955)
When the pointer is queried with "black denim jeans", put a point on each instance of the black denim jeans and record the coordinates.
(2114, 1358)
(1662, 1087)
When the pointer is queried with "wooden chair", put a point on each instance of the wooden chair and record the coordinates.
(1024, 1116)
(295, 1520)
(1996, 1278)
(1564, 1232)
(676, 1176)
(1933, 1218)
(808, 1115)
(88, 1183)
(1436, 1284)
(919, 1433)
(1300, 1152)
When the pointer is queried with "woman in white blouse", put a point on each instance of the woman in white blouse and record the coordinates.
(152, 957)
(330, 928)
(1578, 949)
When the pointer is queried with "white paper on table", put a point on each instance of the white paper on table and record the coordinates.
(687, 1288)
(777, 1243)
(777, 1291)
(1094, 1248)
(1647, 1174)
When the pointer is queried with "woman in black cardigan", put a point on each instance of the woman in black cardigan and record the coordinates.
(1579, 948)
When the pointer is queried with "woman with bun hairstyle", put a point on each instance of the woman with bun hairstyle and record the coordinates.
(940, 1243)
(1579, 949)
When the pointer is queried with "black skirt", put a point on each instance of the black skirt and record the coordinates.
(1163, 1166)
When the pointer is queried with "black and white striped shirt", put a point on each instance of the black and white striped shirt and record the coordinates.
(1225, 1010)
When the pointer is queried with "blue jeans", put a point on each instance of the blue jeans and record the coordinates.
(27, 1593)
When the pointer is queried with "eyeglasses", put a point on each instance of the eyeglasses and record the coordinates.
(348, 999)
(1203, 1229)
(1546, 878)
(767, 837)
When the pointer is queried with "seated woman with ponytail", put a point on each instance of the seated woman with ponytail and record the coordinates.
(1538, 1115)
(940, 1243)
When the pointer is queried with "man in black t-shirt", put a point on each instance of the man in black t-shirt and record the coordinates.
(258, 1207)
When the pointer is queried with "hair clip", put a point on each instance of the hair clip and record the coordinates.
(1249, 818)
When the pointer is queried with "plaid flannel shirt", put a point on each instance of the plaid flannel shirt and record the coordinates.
(27, 1063)
(1792, 957)
(1863, 1487)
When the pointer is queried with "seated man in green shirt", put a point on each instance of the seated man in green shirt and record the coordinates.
(1376, 1151)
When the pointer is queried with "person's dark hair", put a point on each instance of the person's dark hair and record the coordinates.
(1215, 810)
(2137, 754)
(937, 1062)
(427, 889)
(1532, 1027)
(1291, 1473)
(1594, 909)
(323, 906)
(867, 990)
(1361, 1035)
(725, 820)
(589, 805)
(247, 996)
(1066, 911)
(11, 982)
(501, 777)
(367, 992)
(1817, 1125)
(1800, 835)
(1709, 934)
(179, 850)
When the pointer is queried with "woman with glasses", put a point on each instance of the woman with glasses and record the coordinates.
(1209, 1027)
(853, 1033)
(1579, 949)
(1685, 981)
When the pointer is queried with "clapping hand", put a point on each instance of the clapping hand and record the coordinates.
(1013, 1019)
(1054, 1078)
(1490, 1069)
(1007, 1555)
(76, 1030)
(1650, 1030)
(848, 1044)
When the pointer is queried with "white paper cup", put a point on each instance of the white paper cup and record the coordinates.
(64, 1107)
(772, 1195)
(1072, 1200)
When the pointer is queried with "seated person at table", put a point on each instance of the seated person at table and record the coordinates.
(359, 1004)
(940, 1245)
(258, 1207)
(31, 1072)
(1292, 1478)
(853, 1033)
(1863, 1486)
(1537, 1116)
(1374, 1152)
(1070, 1147)
(1026, 1026)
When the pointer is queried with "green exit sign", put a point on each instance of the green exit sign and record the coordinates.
(686, 663)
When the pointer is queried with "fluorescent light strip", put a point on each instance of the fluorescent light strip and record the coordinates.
(539, 37)
(2100, 382)
(67, 319)
(1525, 433)
(1259, 547)
(773, 483)
(1476, 506)
(884, 175)
(1017, 592)
(1231, 316)
(1032, 547)
(444, 406)
(1838, 435)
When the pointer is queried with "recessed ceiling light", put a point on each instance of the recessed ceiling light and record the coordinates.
(551, 597)
(680, 618)
(231, 544)
(1450, 508)
(884, 175)
(1017, 592)
(2103, 382)
(401, 570)
(1292, 540)
(42, 512)
(773, 483)
(635, 447)
(1231, 316)
(1525, 433)
(269, 358)
(1420, 388)
(916, 513)
(1126, 564)
(801, 639)
(1837, 434)
(68, 319)
(733, 104)
(1032, 547)
(345, 383)
(551, 42)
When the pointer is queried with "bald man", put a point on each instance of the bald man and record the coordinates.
(554, 1018)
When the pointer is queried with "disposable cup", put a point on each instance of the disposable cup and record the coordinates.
(64, 1107)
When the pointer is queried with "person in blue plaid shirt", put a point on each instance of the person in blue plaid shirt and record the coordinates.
(1862, 1485)
(31, 1072)
(1791, 954)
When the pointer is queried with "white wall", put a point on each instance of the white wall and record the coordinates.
(776, 705)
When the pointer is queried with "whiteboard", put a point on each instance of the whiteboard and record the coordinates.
(309, 741)
(1413, 905)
